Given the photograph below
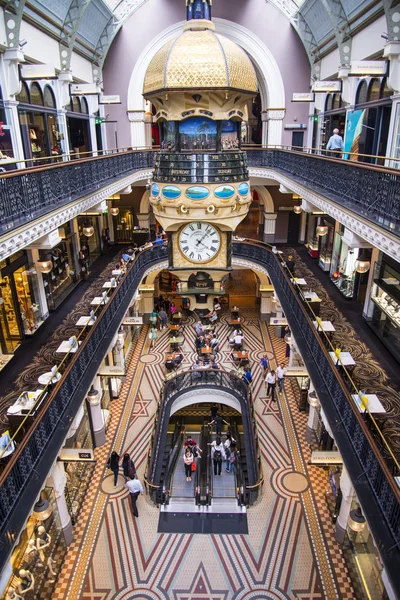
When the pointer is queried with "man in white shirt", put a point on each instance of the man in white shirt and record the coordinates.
(135, 488)
(280, 373)
(335, 144)
(270, 382)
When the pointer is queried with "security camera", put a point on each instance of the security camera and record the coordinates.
(22, 43)
(384, 36)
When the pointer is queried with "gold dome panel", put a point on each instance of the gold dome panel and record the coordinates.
(200, 60)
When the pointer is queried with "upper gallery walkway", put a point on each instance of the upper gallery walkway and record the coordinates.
(367, 195)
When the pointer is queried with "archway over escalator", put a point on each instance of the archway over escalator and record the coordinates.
(241, 286)
(188, 416)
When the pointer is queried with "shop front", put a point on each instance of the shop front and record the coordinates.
(325, 248)
(346, 271)
(334, 117)
(78, 126)
(63, 275)
(21, 309)
(37, 559)
(37, 112)
(90, 228)
(384, 305)
(6, 149)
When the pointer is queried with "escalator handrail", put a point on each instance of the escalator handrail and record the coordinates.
(174, 454)
(240, 483)
(199, 469)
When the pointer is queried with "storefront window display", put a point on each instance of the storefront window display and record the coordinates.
(21, 313)
(63, 276)
(91, 245)
(78, 126)
(38, 120)
(124, 225)
(384, 306)
(342, 271)
(312, 239)
(38, 557)
(326, 246)
(334, 117)
(6, 149)
(79, 474)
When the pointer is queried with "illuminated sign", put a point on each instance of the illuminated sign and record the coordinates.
(306, 97)
(326, 458)
(45, 71)
(327, 86)
(368, 67)
(80, 89)
(115, 99)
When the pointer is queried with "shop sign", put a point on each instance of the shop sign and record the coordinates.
(306, 97)
(282, 321)
(107, 371)
(133, 321)
(329, 457)
(77, 455)
(45, 71)
(295, 126)
(327, 86)
(296, 372)
(80, 89)
(368, 67)
(115, 99)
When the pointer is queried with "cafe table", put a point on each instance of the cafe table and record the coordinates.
(85, 321)
(206, 350)
(99, 300)
(48, 377)
(299, 281)
(374, 405)
(66, 347)
(345, 359)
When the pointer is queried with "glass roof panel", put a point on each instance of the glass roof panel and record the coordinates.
(317, 19)
(56, 9)
(93, 23)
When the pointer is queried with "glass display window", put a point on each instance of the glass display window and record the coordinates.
(63, 276)
(91, 246)
(342, 271)
(10, 325)
(27, 288)
(326, 247)
(124, 224)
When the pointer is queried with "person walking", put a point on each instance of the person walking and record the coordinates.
(153, 337)
(264, 362)
(113, 464)
(218, 455)
(270, 382)
(188, 461)
(335, 145)
(128, 466)
(162, 315)
(153, 317)
(218, 420)
(228, 445)
(135, 489)
(280, 374)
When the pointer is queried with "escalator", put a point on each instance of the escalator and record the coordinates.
(207, 504)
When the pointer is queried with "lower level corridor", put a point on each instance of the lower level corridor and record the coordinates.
(289, 553)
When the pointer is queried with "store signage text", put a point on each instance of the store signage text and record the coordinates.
(77, 455)
(368, 67)
(306, 97)
(80, 89)
(133, 321)
(107, 371)
(327, 86)
(44, 71)
(115, 99)
(326, 458)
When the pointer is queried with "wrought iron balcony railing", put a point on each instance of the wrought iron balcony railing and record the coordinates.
(370, 191)
(28, 194)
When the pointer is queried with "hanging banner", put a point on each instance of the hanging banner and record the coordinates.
(110, 99)
(306, 97)
(327, 86)
(376, 68)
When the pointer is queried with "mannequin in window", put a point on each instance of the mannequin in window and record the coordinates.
(32, 556)
(27, 582)
(43, 540)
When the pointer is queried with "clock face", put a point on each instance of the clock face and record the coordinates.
(199, 242)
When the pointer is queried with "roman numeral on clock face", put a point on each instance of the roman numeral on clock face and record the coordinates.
(199, 241)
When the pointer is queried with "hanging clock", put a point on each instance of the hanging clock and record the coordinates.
(199, 242)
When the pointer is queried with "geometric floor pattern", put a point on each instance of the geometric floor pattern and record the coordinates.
(289, 552)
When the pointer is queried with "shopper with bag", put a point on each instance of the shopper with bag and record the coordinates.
(153, 337)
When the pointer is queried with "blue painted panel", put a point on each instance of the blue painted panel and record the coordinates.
(224, 191)
(197, 192)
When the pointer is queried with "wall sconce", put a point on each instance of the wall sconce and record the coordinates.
(45, 266)
(114, 211)
(297, 209)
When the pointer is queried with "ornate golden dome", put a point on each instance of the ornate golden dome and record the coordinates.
(200, 60)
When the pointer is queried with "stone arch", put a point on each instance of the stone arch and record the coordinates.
(145, 202)
(269, 77)
(266, 198)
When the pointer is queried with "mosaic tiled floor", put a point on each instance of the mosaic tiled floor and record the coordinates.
(289, 553)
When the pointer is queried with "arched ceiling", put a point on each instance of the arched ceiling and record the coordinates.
(89, 26)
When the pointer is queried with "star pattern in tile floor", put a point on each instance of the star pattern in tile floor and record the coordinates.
(290, 552)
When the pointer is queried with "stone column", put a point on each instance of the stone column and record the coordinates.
(391, 50)
(58, 480)
(312, 415)
(275, 126)
(346, 487)
(96, 415)
(92, 132)
(12, 119)
(264, 134)
(303, 223)
(114, 382)
(137, 120)
(368, 304)
(269, 227)
(63, 128)
(118, 351)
